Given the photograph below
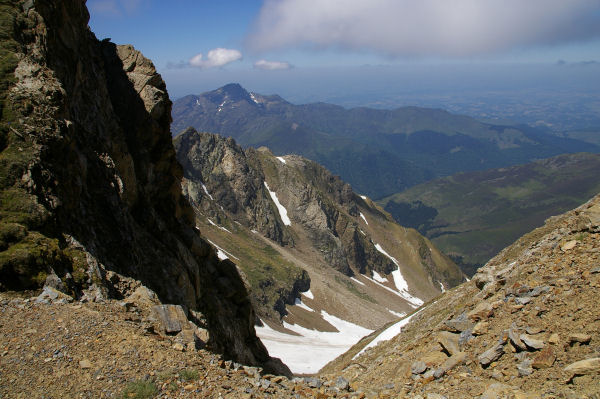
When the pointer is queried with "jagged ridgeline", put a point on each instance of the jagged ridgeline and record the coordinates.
(90, 189)
(291, 226)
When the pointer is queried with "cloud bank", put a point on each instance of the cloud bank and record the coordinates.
(272, 65)
(446, 28)
(217, 57)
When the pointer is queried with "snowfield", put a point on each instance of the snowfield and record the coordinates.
(312, 349)
(364, 218)
(399, 280)
(388, 333)
(282, 211)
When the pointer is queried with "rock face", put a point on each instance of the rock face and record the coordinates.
(91, 188)
(323, 220)
(537, 299)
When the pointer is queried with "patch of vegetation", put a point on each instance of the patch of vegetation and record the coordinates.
(139, 389)
(189, 375)
(480, 213)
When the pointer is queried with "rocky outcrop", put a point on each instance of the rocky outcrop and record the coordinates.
(227, 184)
(91, 188)
(525, 324)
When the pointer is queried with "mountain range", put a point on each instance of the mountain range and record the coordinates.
(307, 246)
(379, 152)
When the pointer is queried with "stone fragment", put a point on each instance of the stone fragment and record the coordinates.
(569, 245)
(459, 324)
(490, 355)
(172, 318)
(85, 364)
(586, 366)
(531, 342)
(178, 346)
(554, 339)
(418, 367)
(522, 300)
(342, 384)
(579, 338)
(482, 311)
(480, 328)
(544, 358)
(313, 382)
(449, 364)
(142, 297)
(449, 342)
(524, 368)
(515, 340)
(533, 330)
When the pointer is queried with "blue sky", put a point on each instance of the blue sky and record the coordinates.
(310, 50)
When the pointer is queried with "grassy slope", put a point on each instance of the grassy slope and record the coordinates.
(480, 213)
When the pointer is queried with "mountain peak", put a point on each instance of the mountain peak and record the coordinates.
(234, 92)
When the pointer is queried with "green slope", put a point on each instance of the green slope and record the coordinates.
(472, 216)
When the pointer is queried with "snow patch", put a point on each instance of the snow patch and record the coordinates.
(253, 98)
(363, 197)
(412, 301)
(388, 333)
(217, 226)
(221, 253)
(379, 277)
(308, 294)
(442, 287)
(254, 231)
(282, 211)
(281, 160)
(206, 191)
(399, 280)
(398, 314)
(364, 218)
(357, 281)
(197, 101)
(298, 302)
(362, 232)
(309, 352)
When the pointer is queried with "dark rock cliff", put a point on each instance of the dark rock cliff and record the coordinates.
(90, 186)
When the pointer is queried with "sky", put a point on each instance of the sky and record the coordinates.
(351, 51)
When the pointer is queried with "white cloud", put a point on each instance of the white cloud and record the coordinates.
(424, 27)
(217, 57)
(271, 65)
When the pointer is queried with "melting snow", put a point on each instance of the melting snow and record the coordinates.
(281, 160)
(379, 277)
(308, 294)
(253, 98)
(298, 302)
(206, 191)
(197, 102)
(399, 280)
(282, 211)
(221, 253)
(364, 218)
(216, 225)
(399, 314)
(357, 281)
(388, 333)
(307, 353)
(442, 287)
(412, 301)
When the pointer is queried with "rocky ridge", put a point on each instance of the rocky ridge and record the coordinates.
(90, 187)
(525, 326)
(327, 223)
